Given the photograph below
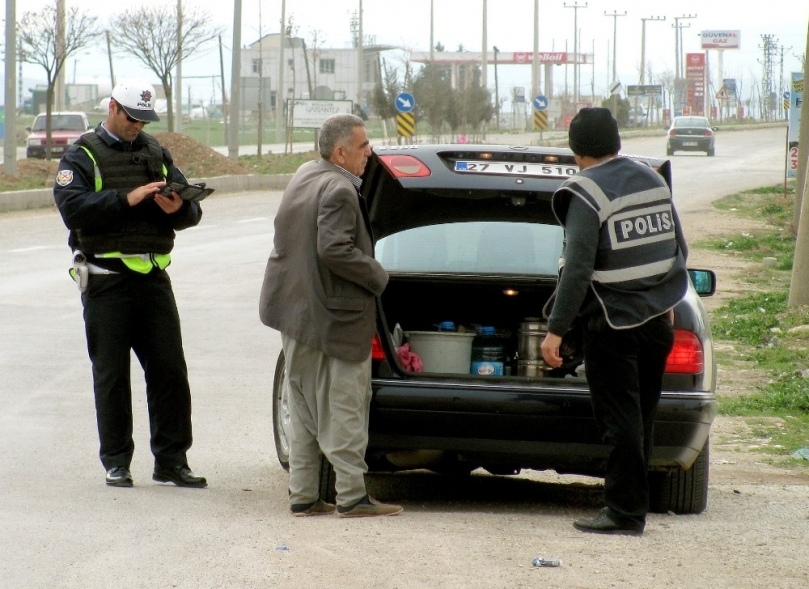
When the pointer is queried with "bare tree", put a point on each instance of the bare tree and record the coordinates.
(150, 34)
(42, 45)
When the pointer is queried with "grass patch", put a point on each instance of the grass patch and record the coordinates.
(277, 163)
(765, 332)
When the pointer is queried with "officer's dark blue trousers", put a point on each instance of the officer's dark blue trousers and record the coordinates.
(624, 369)
(134, 312)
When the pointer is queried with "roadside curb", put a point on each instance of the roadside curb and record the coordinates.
(43, 197)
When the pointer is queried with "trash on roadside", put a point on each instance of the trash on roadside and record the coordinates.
(282, 547)
(546, 562)
(801, 453)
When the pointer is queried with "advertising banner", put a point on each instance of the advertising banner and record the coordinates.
(721, 39)
(795, 103)
(695, 82)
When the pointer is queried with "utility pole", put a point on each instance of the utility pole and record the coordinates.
(678, 59)
(10, 138)
(614, 16)
(643, 45)
(799, 285)
(643, 53)
(280, 93)
(535, 54)
(484, 65)
(178, 86)
(360, 63)
(496, 93)
(575, 6)
(235, 82)
(677, 99)
(432, 40)
(59, 90)
(770, 50)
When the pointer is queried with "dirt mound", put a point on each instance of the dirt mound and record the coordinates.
(197, 160)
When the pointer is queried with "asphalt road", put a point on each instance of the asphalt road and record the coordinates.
(61, 527)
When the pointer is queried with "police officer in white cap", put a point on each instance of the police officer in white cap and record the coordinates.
(122, 232)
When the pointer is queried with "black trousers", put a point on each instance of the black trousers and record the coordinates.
(624, 369)
(129, 311)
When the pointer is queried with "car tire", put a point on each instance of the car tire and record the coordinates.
(710, 152)
(280, 420)
(669, 151)
(681, 491)
(280, 412)
(326, 487)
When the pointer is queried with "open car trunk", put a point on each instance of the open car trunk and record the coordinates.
(510, 305)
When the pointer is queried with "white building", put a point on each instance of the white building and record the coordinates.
(312, 72)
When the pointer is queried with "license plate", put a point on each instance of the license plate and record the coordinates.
(690, 143)
(524, 169)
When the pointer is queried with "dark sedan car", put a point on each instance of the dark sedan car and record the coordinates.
(471, 245)
(690, 134)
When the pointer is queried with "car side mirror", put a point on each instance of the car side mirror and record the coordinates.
(704, 281)
(714, 129)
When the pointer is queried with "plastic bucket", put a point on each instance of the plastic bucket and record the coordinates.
(442, 351)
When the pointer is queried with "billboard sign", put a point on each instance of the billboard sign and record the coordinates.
(721, 39)
(310, 114)
(695, 82)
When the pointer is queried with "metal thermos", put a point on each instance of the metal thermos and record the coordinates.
(529, 347)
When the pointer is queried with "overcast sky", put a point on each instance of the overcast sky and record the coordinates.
(406, 23)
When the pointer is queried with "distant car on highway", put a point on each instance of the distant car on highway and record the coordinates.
(66, 128)
(688, 133)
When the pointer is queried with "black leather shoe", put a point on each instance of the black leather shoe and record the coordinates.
(179, 474)
(606, 522)
(119, 476)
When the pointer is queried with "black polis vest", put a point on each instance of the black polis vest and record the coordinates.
(143, 228)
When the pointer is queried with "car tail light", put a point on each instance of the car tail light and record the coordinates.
(686, 357)
(708, 133)
(377, 353)
(672, 133)
(404, 166)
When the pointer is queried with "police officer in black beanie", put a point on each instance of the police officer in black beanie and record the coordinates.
(624, 272)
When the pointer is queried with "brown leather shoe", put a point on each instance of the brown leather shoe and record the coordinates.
(368, 507)
(319, 507)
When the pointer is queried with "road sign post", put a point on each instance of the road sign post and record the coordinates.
(405, 120)
(540, 104)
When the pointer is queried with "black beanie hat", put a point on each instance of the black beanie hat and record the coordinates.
(594, 132)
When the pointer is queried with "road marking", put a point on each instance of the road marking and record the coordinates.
(253, 220)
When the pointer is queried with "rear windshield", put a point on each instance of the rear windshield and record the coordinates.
(474, 248)
(61, 123)
(690, 122)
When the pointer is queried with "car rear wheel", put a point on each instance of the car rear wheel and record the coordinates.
(669, 151)
(280, 412)
(711, 152)
(280, 420)
(681, 491)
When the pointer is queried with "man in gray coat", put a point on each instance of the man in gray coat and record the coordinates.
(319, 291)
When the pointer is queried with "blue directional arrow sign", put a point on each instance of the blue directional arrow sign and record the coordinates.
(405, 102)
(540, 102)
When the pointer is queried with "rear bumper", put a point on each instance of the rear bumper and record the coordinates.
(690, 144)
(524, 427)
